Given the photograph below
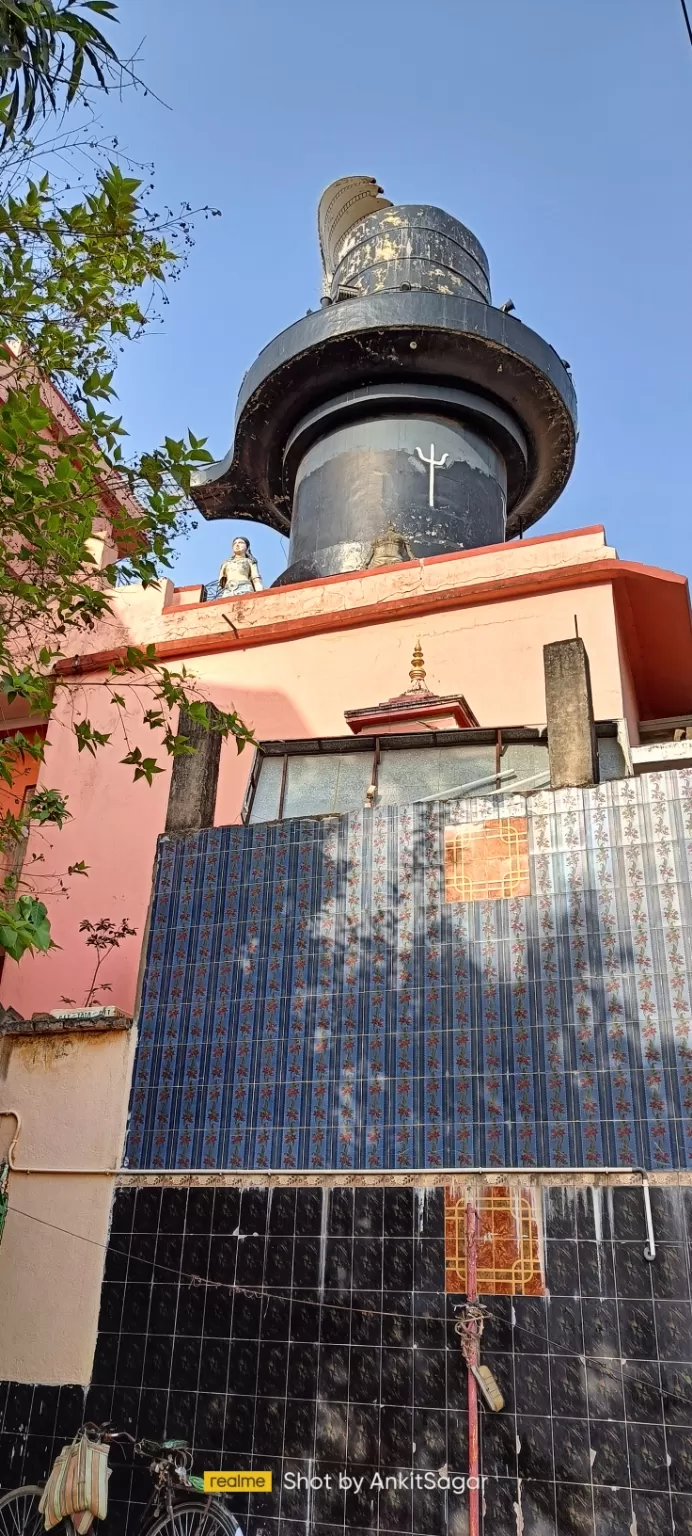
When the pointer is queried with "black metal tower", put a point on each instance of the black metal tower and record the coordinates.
(407, 413)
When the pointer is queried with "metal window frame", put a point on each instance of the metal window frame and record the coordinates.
(251, 786)
(315, 746)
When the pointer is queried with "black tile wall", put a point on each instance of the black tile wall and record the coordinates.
(594, 1375)
(352, 1364)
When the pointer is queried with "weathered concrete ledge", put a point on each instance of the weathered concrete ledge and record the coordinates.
(77, 1022)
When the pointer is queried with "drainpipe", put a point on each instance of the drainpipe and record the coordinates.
(471, 1338)
(650, 1249)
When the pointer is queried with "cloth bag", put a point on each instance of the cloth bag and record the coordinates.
(77, 1488)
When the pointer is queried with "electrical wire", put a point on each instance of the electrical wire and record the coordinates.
(265, 1293)
(686, 15)
(261, 1292)
(599, 1361)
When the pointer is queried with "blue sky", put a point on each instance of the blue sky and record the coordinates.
(560, 131)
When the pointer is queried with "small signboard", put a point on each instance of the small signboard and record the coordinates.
(84, 1013)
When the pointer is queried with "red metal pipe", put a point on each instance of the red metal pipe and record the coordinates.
(472, 1359)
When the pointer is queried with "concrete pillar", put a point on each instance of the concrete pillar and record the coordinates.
(572, 749)
(192, 795)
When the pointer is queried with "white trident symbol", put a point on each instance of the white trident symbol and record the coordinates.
(434, 464)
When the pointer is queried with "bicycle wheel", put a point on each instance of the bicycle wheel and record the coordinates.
(194, 1517)
(19, 1512)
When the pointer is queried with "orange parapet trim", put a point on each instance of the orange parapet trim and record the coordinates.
(487, 860)
(508, 1260)
(652, 608)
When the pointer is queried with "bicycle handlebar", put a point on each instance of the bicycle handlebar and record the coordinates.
(105, 1432)
(174, 1450)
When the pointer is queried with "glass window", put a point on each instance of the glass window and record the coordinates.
(415, 772)
(460, 766)
(265, 806)
(524, 759)
(355, 777)
(324, 784)
(405, 776)
(611, 758)
(332, 783)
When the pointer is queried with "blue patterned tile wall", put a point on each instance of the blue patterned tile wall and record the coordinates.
(310, 1000)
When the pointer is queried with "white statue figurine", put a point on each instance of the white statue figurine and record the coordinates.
(241, 573)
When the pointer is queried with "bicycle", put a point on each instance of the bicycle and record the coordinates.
(178, 1505)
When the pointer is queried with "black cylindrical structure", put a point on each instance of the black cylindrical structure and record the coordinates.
(431, 464)
(411, 247)
(407, 408)
(436, 482)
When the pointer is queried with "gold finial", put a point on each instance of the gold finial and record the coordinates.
(417, 673)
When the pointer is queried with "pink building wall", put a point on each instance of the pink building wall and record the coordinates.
(482, 620)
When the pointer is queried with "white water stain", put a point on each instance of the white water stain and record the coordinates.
(310, 1491)
(611, 1208)
(597, 1216)
(518, 1512)
(323, 1243)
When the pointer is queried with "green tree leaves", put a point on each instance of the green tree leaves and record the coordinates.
(24, 926)
(44, 48)
(79, 279)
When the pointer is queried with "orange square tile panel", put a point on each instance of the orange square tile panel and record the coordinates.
(508, 1261)
(487, 860)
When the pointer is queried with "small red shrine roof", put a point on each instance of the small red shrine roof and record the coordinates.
(418, 705)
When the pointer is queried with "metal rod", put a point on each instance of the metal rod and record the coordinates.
(344, 1174)
(248, 800)
(282, 790)
(463, 789)
(650, 1249)
(471, 1296)
(109, 1173)
(491, 778)
(536, 778)
(497, 1170)
(371, 791)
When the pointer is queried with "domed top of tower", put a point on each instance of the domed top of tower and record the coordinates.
(370, 246)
